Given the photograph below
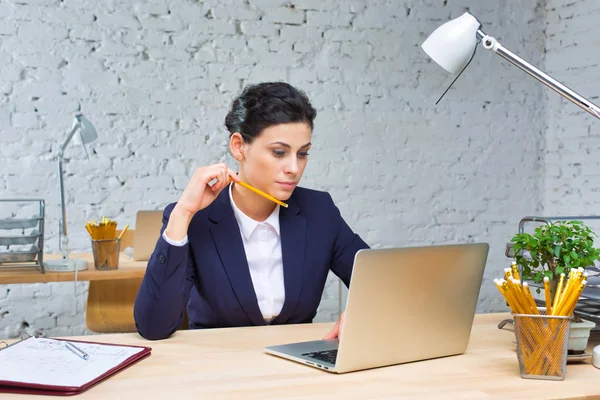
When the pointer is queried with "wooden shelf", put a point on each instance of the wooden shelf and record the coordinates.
(128, 269)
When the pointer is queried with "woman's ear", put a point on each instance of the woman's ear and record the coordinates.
(236, 146)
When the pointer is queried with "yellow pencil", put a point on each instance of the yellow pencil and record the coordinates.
(518, 299)
(559, 290)
(568, 305)
(569, 311)
(512, 302)
(503, 291)
(263, 194)
(530, 299)
(547, 296)
(569, 283)
(123, 232)
(515, 270)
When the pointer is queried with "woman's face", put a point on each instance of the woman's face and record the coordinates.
(275, 160)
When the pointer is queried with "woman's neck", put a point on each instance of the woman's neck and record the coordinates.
(251, 204)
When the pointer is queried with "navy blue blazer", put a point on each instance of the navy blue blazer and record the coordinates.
(210, 274)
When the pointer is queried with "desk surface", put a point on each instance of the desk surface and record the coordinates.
(127, 269)
(230, 363)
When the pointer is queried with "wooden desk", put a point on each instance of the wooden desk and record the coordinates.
(128, 269)
(230, 363)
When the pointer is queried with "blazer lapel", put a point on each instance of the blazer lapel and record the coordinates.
(293, 246)
(228, 240)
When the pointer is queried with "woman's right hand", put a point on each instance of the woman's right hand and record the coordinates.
(198, 195)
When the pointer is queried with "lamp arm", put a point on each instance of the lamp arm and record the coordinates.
(63, 242)
(63, 219)
(492, 44)
(61, 151)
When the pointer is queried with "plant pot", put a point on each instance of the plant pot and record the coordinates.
(579, 335)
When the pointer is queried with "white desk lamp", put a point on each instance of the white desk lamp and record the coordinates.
(453, 44)
(87, 134)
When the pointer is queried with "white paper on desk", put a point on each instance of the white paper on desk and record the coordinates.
(48, 362)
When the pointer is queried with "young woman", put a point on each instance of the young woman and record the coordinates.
(235, 258)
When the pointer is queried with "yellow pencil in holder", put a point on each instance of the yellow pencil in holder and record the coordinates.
(568, 305)
(530, 298)
(123, 232)
(515, 270)
(105, 243)
(520, 296)
(547, 295)
(565, 295)
(573, 281)
(502, 287)
(559, 289)
(508, 295)
(542, 337)
(576, 296)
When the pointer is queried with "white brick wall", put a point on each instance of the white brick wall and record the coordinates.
(156, 78)
(573, 139)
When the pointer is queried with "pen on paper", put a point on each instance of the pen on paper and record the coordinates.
(77, 351)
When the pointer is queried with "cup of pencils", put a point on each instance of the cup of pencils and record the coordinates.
(542, 333)
(106, 245)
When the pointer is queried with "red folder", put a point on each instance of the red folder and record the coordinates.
(42, 389)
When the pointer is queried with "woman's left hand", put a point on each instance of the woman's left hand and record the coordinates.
(337, 329)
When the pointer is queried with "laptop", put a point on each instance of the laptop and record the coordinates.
(148, 224)
(404, 305)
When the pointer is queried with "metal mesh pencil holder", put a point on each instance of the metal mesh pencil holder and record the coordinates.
(542, 342)
(106, 253)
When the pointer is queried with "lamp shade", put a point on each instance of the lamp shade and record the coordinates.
(87, 131)
(452, 44)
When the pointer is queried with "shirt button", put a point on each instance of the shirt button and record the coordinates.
(162, 259)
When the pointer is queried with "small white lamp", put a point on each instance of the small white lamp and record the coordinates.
(453, 44)
(88, 134)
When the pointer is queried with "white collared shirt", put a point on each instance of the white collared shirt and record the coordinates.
(262, 244)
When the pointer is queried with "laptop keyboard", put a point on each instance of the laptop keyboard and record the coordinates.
(328, 356)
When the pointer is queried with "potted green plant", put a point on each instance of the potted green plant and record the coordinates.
(554, 249)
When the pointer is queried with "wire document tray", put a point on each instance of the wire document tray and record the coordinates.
(22, 233)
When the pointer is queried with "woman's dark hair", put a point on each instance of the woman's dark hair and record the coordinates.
(266, 104)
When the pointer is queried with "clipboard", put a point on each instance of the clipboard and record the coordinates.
(38, 353)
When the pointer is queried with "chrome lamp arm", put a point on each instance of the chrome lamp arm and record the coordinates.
(63, 218)
(492, 44)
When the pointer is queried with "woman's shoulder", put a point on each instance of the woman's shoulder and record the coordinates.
(304, 196)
